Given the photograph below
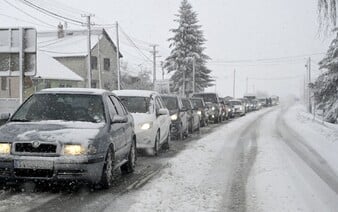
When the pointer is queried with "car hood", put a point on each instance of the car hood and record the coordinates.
(50, 131)
(140, 118)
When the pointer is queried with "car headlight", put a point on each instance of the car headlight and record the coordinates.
(146, 126)
(229, 110)
(74, 149)
(199, 112)
(174, 117)
(5, 149)
(213, 108)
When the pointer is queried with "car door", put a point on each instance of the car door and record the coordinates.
(116, 133)
(183, 114)
(123, 128)
(161, 119)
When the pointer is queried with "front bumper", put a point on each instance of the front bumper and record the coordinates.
(62, 168)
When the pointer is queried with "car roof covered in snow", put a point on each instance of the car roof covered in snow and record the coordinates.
(93, 91)
(140, 93)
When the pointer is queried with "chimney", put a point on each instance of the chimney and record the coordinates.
(61, 32)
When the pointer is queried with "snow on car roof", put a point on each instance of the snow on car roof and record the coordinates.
(74, 90)
(141, 93)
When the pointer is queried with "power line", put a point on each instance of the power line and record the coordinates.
(28, 14)
(277, 78)
(50, 13)
(18, 19)
(133, 43)
(295, 57)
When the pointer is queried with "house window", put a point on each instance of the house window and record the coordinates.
(106, 64)
(93, 61)
(3, 83)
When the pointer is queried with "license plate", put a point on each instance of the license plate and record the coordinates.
(33, 164)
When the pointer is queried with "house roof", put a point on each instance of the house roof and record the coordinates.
(49, 68)
(73, 44)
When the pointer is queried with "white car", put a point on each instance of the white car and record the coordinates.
(151, 117)
(238, 106)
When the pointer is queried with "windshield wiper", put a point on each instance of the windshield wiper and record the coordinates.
(20, 120)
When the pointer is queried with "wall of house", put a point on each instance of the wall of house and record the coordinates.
(109, 77)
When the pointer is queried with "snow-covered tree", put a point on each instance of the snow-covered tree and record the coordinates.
(326, 86)
(187, 44)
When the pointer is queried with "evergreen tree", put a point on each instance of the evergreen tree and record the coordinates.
(187, 45)
(326, 86)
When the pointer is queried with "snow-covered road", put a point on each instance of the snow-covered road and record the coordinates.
(276, 159)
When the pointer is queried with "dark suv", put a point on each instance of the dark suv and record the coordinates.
(68, 134)
(178, 114)
(214, 105)
(202, 110)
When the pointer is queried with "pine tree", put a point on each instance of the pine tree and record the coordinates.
(187, 45)
(326, 86)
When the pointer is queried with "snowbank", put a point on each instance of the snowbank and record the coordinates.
(323, 137)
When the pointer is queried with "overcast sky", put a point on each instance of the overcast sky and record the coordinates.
(235, 31)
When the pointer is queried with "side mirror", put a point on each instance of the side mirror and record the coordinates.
(5, 116)
(162, 111)
(119, 119)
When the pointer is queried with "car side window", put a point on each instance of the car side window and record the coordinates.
(158, 104)
(118, 105)
(111, 107)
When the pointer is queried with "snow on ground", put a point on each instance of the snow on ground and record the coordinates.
(195, 180)
(280, 180)
(323, 137)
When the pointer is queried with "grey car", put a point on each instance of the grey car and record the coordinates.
(68, 135)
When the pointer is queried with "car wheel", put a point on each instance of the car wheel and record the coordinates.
(166, 144)
(129, 167)
(156, 147)
(108, 169)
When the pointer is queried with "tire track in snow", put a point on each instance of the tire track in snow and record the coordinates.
(243, 160)
(308, 154)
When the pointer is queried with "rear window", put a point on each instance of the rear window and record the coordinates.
(236, 103)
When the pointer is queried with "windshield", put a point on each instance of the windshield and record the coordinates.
(186, 104)
(197, 103)
(170, 102)
(207, 97)
(65, 107)
(136, 104)
(236, 103)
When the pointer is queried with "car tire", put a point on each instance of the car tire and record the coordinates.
(166, 144)
(108, 170)
(156, 147)
(129, 167)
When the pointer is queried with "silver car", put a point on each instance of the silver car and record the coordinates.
(68, 134)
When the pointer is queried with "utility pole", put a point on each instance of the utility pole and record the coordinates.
(89, 46)
(309, 81)
(193, 75)
(21, 64)
(162, 64)
(154, 52)
(234, 85)
(99, 62)
(118, 57)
